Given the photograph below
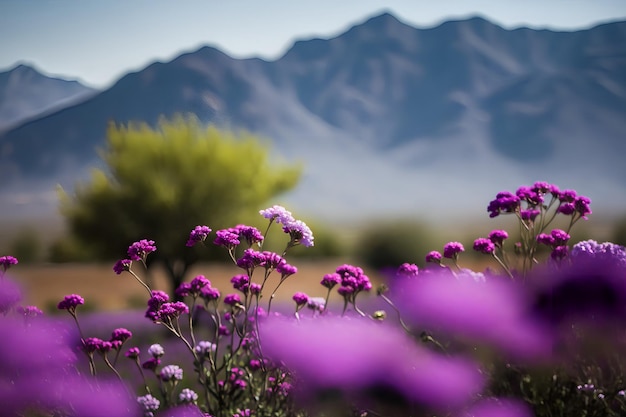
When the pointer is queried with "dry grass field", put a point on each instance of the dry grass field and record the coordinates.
(46, 284)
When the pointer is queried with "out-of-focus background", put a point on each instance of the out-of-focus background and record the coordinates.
(405, 118)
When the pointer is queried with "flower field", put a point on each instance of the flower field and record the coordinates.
(539, 332)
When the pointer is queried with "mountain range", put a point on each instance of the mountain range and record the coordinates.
(388, 119)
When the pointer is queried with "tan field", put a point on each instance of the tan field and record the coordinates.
(45, 285)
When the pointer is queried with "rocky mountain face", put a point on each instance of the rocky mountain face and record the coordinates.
(387, 118)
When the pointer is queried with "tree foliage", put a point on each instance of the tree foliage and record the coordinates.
(161, 182)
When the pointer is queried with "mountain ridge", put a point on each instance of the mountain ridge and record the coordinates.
(382, 94)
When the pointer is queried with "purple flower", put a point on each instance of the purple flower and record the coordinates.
(122, 265)
(199, 282)
(198, 234)
(7, 261)
(505, 202)
(451, 250)
(170, 311)
(121, 334)
(251, 234)
(171, 373)
(433, 257)
(205, 348)
(229, 238)
(560, 237)
(300, 298)
(272, 260)
(285, 270)
(582, 204)
(183, 290)
(607, 252)
(330, 280)
(408, 270)
(133, 353)
(529, 214)
(232, 299)
(187, 396)
(489, 311)
(529, 195)
(255, 288)
(29, 311)
(156, 350)
(209, 294)
(148, 403)
(250, 260)
(70, 302)
(567, 208)
(412, 372)
(151, 364)
(484, 245)
(92, 344)
(278, 214)
(498, 237)
(567, 196)
(140, 249)
(299, 232)
(241, 283)
(545, 239)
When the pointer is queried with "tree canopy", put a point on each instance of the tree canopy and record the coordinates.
(159, 183)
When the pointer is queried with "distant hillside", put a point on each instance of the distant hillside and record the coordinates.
(385, 116)
(25, 93)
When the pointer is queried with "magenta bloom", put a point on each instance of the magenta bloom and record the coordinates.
(330, 280)
(70, 302)
(407, 270)
(300, 298)
(122, 265)
(140, 249)
(362, 360)
(299, 232)
(498, 237)
(198, 234)
(232, 299)
(490, 311)
(228, 238)
(451, 250)
(7, 261)
(433, 257)
(278, 214)
(484, 245)
(121, 334)
(251, 234)
(505, 202)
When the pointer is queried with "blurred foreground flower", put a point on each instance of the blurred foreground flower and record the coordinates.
(360, 358)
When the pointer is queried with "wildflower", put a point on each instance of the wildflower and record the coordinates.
(7, 261)
(505, 202)
(529, 214)
(183, 290)
(250, 259)
(70, 302)
(451, 250)
(484, 245)
(156, 350)
(300, 233)
(121, 334)
(433, 257)
(209, 293)
(278, 214)
(567, 208)
(151, 364)
(606, 252)
(241, 283)
(251, 234)
(140, 249)
(255, 288)
(187, 396)
(546, 239)
(272, 260)
(286, 270)
(122, 265)
(316, 303)
(148, 404)
(411, 372)
(567, 196)
(205, 348)
(300, 298)
(330, 280)
(197, 283)
(227, 238)
(407, 270)
(198, 234)
(498, 237)
(581, 204)
(133, 353)
(232, 299)
(169, 311)
(29, 311)
(559, 236)
(171, 373)
(92, 344)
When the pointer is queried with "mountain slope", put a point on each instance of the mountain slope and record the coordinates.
(379, 110)
(26, 93)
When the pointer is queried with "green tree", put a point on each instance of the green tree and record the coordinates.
(162, 182)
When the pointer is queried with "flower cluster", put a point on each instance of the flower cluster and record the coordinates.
(299, 232)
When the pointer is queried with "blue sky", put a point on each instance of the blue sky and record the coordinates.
(98, 41)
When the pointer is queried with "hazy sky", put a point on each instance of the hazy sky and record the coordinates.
(97, 41)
